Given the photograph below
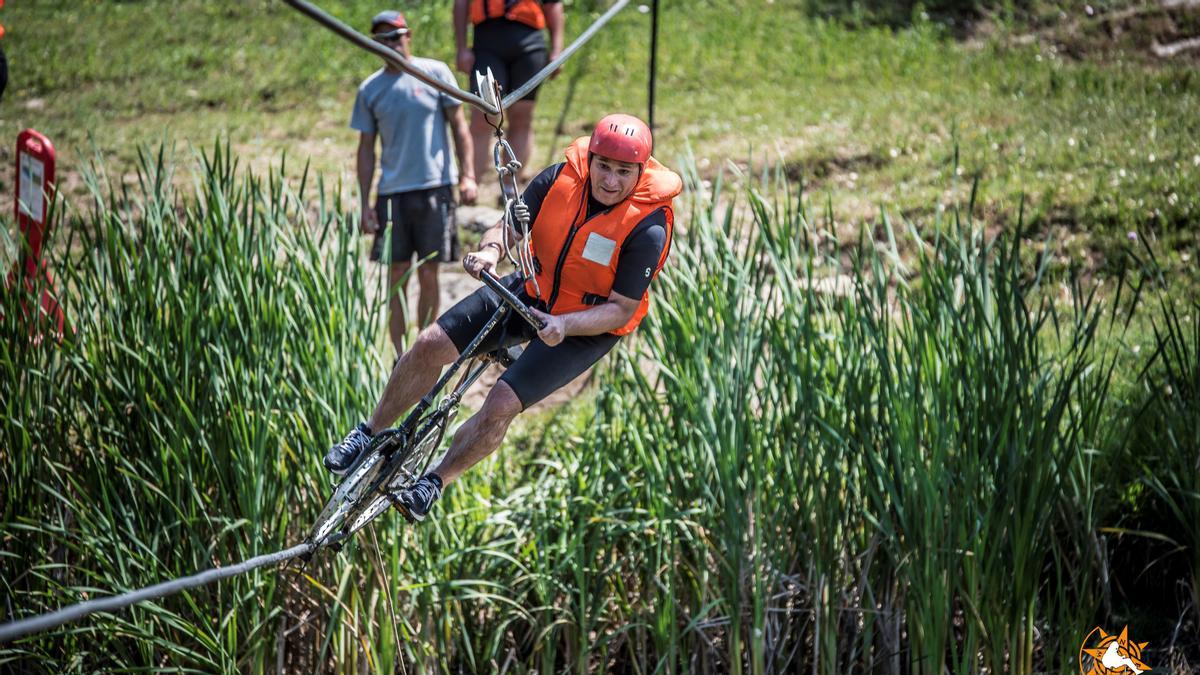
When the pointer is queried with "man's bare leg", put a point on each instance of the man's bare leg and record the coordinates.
(520, 131)
(397, 289)
(481, 138)
(427, 306)
(414, 375)
(479, 436)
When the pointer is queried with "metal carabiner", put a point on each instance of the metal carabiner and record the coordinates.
(508, 167)
(488, 89)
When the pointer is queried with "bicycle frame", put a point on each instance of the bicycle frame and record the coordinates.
(471, 350)
(510, 302)
(393, 447)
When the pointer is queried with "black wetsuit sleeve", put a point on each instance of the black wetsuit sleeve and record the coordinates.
(639, 255)
(537, 189)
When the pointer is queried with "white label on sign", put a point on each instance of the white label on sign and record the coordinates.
(599, 249)
(32, 193)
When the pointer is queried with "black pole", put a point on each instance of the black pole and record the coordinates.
(653, 55)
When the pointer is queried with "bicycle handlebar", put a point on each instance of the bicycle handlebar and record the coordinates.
(511, 300)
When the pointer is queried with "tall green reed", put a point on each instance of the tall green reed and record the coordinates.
(872, 467)
(815, 455)
(218, 340)
(1164, 434)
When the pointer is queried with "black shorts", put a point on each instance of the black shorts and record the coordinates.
(513, 51)
(541, 369)
(421, 221)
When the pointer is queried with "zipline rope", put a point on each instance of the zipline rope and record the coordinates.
(393, 57)
(16, 629)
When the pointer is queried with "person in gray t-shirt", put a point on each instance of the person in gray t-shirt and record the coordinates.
(414, 195)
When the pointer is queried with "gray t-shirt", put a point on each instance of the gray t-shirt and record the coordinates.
(410, 118)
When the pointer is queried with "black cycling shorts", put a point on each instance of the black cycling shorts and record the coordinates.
(540, 370)
(421, 221)
(515, 53)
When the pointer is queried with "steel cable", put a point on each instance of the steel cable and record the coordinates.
(519, 93)
(16, 629)
(394, 58)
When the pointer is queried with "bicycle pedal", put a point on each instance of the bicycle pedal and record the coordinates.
(407, 516)
(399, 506)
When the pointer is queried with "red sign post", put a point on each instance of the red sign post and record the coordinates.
(35, 192)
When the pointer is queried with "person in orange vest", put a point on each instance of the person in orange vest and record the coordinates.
(508, 39)
(600, 231)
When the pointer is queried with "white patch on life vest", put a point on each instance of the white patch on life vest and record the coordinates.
(599, 249)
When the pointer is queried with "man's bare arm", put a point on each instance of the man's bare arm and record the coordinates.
(464, 152)
(365, 169)
(555, 20)
(597, 320)
(465, 58)
(491, 249)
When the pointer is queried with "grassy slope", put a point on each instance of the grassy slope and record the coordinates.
(871, 117)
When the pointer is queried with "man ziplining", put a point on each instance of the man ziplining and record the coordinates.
(600, 233)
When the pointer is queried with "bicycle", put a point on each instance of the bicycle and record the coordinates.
(398, 456)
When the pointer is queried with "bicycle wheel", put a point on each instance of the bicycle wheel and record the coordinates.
(402, 470)
(350, 490)
(340, 504)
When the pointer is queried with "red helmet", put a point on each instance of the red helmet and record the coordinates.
(624, 138)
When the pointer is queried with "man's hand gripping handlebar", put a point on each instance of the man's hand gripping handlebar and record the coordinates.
(511, 300)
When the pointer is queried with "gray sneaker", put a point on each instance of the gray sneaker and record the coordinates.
(416, 500)
(341, 457)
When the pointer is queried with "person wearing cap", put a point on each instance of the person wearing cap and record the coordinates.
(601, 224)
(416, 172)
(508, 38)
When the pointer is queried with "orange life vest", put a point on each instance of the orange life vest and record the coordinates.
(577, 256)
(528, 12)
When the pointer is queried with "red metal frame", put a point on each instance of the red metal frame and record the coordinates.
(32, 220)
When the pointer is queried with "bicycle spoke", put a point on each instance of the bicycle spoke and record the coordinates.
(369, 513)
(400, 472)
(344, 496)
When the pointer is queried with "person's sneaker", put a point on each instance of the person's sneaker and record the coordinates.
(341, 457)
(415, 500)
